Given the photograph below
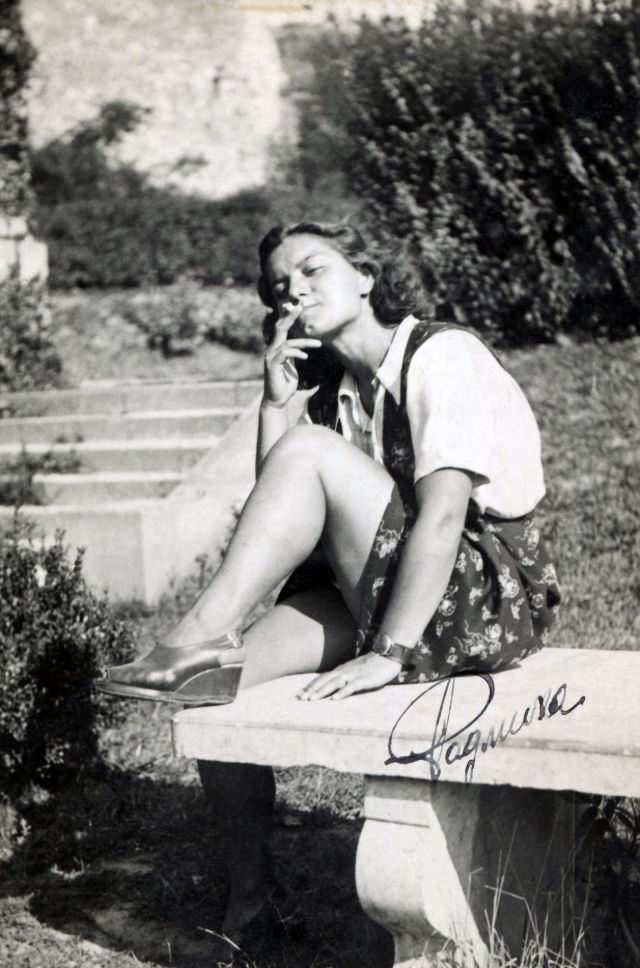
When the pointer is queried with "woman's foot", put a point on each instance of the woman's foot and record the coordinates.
(203, 673)
(261, 930)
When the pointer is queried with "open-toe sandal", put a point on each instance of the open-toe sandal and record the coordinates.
(206, 673)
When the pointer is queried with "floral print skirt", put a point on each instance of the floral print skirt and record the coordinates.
(499, 604)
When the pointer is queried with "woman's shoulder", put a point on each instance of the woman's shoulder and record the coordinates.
(437, 343)
(456, 363)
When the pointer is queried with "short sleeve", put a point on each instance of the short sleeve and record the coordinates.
(466, 411)
(455, 392)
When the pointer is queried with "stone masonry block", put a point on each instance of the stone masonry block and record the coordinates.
(33, 259)
(8, 257)
(13, 227)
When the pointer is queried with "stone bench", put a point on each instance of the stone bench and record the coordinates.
(470, 787)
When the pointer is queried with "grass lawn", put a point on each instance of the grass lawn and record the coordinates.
(120, 870)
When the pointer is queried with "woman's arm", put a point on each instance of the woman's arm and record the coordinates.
(274, 420)
(425, 567)
(429, 554)
(282, 403)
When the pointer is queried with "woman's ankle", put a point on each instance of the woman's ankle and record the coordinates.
(243, 909)
(193, 631)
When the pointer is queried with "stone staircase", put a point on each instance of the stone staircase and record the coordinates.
(143, 475)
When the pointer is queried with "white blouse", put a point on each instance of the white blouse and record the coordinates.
(465, 411)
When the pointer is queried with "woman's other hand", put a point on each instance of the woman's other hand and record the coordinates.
(280, 373)
(368, 671)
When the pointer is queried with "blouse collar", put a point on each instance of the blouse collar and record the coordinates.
(389, 373)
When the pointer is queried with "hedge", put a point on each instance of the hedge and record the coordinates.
(502, 145)
(154, 238)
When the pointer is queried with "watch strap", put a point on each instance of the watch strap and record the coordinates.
(383, 644)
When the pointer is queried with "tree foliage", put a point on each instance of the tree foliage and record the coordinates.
(503, 146)
(16, 58)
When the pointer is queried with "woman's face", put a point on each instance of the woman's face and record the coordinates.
(307, 273)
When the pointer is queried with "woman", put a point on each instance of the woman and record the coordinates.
(422, 505)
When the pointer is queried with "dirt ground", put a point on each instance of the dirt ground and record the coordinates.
(126, 864)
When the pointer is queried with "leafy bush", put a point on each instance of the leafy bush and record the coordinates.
(170, 319)
(502, 145)
(153, 238)
(17, 484)
(55, 635)
(177, 318)
(16, 57)
(28, 358)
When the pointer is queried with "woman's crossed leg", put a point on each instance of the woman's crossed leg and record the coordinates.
(313, 486)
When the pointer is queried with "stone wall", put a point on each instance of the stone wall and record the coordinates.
(209, 70)
(20, 250)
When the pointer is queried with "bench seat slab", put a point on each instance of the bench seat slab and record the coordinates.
(594, 748)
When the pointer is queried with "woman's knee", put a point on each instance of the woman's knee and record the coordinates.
(308, 632)
(305, 438)
(308, 444)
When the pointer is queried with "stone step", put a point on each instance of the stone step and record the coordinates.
(92, 489)
(136, 547)
(123, 455)
(149, 424)
(110, 397)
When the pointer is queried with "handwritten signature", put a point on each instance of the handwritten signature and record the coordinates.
(463, 742)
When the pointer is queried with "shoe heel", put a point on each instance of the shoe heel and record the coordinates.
(210, 688)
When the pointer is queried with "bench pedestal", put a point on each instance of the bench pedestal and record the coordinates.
(483, 851)
(440, 865)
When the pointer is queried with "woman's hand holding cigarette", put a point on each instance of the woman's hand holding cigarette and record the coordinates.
(280, 373)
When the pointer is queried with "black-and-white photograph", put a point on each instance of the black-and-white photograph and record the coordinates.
(320, 484)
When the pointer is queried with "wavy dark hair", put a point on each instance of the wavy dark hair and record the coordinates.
(396, 292)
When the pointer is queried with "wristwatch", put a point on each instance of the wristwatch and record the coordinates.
(383, 644)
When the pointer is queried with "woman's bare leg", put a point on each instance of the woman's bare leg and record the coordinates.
(309, 632)
(313, 486)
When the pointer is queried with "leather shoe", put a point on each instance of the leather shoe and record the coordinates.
(266, 933)
(206, 673)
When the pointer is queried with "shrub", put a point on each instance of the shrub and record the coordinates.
(236, 320)
(502, 145)
(168, 318)
(16, 57)
(17, 484)
(28, 358)
(55, 635)
(177, 318)
(153, 238)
